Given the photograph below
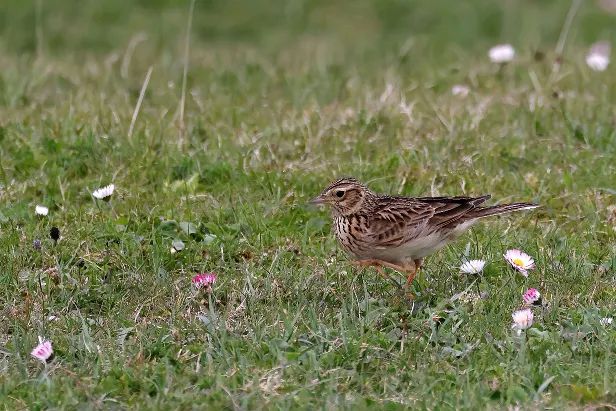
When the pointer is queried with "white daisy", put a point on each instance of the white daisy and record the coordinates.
(522, 320)
(460, 90)
(606, 321)
(43, 351)
(520, 261)
(104, 193)
(598, 57)
(472, 267)
(502, 53)
(41, 210)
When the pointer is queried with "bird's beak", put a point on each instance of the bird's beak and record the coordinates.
(317, 200)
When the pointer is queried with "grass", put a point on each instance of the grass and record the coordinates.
(282, 98)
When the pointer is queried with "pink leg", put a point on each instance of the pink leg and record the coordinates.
(410, 279)
(418, 264)
(376, 264)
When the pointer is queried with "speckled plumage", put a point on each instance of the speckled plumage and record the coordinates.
(400, 231)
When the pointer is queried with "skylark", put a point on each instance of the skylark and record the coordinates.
(399, 232)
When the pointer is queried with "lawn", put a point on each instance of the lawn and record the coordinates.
(213, 172)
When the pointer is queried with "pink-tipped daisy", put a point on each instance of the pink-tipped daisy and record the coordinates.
(204, 280)
(522, 320)
(520, 261)
(41, 210)
(532, 297)
(43, 351)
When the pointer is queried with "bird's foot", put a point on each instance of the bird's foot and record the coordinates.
(409, 280)
(373, 262)
(377, 265)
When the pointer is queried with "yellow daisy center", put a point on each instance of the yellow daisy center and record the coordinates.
(518, 262)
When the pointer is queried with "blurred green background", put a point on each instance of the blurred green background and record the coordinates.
(441, 26)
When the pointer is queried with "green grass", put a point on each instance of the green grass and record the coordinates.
(282, 98)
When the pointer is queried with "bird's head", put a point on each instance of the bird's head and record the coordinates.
(346, 196)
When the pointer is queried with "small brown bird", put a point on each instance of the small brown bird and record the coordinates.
(399, 232)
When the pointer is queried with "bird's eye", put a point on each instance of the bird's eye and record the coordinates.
(339, 193)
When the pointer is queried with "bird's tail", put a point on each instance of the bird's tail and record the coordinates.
(500, 209)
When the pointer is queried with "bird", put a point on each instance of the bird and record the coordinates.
(399, 232)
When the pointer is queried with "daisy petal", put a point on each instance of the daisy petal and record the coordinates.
(460, 90)
(472, 267)
(532, 296)
(598, 57)
(43, 351)
(522, 319)
(502, 53)
(104, 193)
(520, 261)
(204, 280)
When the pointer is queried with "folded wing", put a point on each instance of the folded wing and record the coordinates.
(398, 220)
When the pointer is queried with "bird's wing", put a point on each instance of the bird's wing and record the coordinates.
(397, 220)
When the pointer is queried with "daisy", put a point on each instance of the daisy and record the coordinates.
(204, 280)
(43, 351)
(598, 57)
(104, 193)
(522, 320)
(502, 53)
(460, 90)
(532, 297)
(520, 261)
(606, 321)
(41, 210)
(472, 267)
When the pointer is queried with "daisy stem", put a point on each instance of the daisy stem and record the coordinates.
(114, 211)
(500, 74)
(211, 309)
(507, 283)
(99, 207)
(522, 356)
(483, 306)
(40, 284)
